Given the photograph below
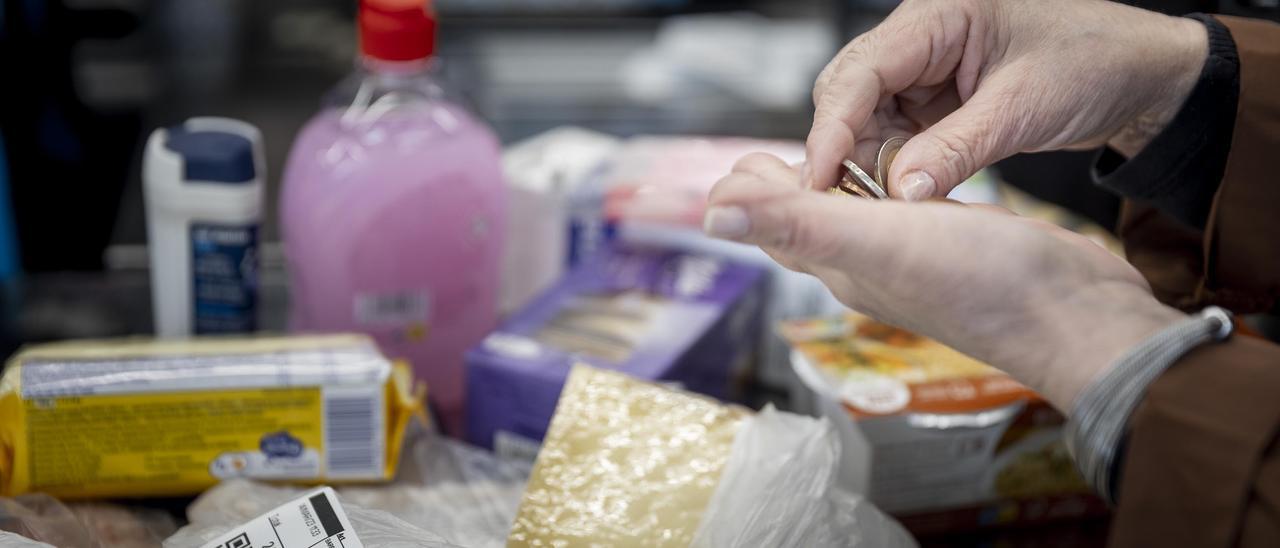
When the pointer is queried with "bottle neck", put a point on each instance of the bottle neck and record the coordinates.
(412, 67)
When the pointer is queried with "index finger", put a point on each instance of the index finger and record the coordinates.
(895, 55)
(842, 106)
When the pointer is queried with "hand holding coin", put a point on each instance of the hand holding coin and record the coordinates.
(968, 83)
(854, 181)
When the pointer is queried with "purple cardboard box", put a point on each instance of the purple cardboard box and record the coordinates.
(657, 315)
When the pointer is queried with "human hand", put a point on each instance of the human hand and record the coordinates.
(1046, 305)
(971, 82)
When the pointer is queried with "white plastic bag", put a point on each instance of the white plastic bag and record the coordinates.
(462, 493)
(780, 488)
(446, 493)
(235, 502)
(14, 540)
(32, 519)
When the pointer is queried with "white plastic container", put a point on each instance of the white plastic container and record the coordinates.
(203, 184)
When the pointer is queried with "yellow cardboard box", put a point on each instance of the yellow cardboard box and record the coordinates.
(140, 417)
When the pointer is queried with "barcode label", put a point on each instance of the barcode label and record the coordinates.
(354, 436)
(397, 308)
(314, 520)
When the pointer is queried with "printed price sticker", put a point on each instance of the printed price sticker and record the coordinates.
(314, 520)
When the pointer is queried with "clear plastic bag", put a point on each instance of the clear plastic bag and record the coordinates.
(464, 494)
(446, 494)
(14, 540)
(42, 518)
(235, 502)
(780, 487)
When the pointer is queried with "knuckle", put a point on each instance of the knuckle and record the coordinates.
(753, 163)
(726, 187)
(958, 154)
(807, 237)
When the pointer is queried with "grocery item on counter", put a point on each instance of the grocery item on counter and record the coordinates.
(42, 518)
(542, 172)
(393, 209)
(656, 314)
(625, 463)
(312, 519)
(139, 417)
(654, 193)
(203, 182)
(661, 180)
(654, 189)
(243, 513)
(630, 463)
(456, 493)
(936, 438)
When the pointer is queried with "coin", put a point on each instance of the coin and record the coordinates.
(888, 151)
(846, 188)
(856, 181)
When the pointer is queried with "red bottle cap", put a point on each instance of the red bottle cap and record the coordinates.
(397, 30)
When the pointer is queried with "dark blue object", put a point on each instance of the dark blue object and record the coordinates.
(213, 156)
(280, 444)
(224, 283)
(9, 262)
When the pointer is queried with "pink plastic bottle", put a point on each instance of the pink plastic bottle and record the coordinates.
(393, 209)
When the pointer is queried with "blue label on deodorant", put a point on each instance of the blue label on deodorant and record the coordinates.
(224, 285)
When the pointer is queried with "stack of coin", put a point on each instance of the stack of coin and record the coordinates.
(855, 182)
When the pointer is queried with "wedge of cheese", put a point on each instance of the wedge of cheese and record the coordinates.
(624, 463)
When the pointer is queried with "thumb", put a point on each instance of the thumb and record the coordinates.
(941, 157)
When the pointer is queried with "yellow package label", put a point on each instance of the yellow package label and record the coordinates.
(121, 426)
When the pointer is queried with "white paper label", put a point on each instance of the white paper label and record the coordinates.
(312, 520)
(393, 308)
(514, 446)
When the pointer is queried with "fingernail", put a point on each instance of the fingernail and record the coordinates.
(726, 222)
(917, 186)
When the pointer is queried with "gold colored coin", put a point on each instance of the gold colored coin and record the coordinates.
(884, 160)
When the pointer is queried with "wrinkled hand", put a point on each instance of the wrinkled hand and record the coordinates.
(1044, 304)
(976, 81)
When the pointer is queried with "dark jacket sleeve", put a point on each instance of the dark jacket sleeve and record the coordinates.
(1202, 466)
(1233, 260)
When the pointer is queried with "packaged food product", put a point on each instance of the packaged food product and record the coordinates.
(655, 314)
(936, 438)
(146, 418)
(629, 463)
(625, 463)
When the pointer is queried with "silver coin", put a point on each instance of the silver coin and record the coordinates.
(859, 180)
(884, 159)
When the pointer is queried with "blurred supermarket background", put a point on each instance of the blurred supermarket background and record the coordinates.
(87, 80)
(613, 115)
